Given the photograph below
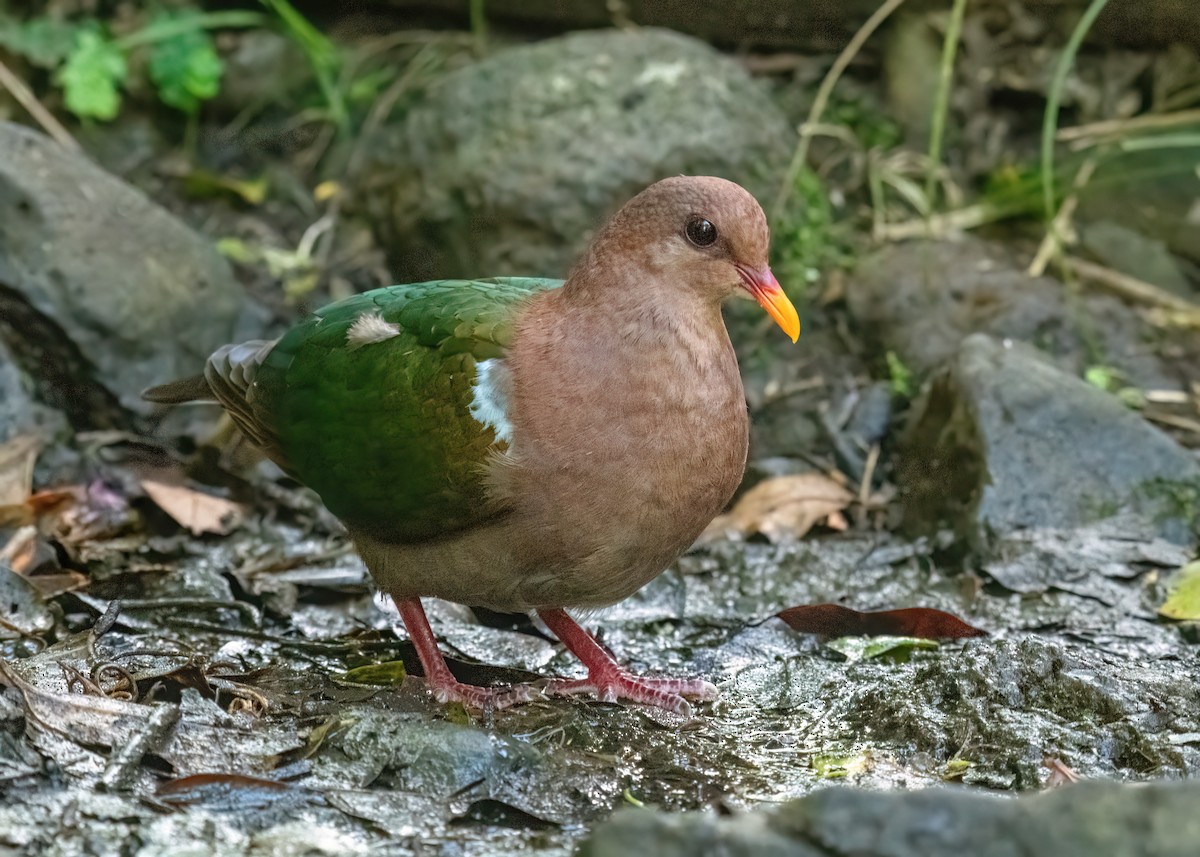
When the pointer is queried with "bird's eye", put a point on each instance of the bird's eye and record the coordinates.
(701, 233)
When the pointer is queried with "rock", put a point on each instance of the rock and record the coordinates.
(111, 292)
(1093, 561)
(510, 162)
(1002, 706)
(1130, 252)
(1157, 820)
(20, 412)
(691, 835)
(1002, 440)
(911, 71)
(1163, 205)
(920, 299)
(804, 25)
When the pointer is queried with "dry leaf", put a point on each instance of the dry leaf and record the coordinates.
(24, 551)
(17, 457)
(227, 789)
(201, 513)
(783, 509)
(1061, 774)
(1183, 603)
(834, 620)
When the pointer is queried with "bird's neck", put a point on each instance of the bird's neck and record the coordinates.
(632, 311)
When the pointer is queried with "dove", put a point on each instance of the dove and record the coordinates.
(525, 444)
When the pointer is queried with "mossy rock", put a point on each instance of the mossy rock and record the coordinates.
(507, 165)
(1003, 441)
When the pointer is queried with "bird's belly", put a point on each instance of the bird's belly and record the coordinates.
(624, 513)
(596, 529)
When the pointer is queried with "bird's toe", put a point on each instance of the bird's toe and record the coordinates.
(485, 698)
(670, 694)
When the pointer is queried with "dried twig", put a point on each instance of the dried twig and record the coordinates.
(1130, 288)
(1189, 319)
(1174, 421)
(864, 487)
(1059, 227)
(939, 225)
(41, 115)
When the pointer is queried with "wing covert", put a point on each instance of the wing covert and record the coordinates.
(385, 431)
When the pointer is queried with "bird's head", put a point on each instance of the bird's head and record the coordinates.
(704, 234)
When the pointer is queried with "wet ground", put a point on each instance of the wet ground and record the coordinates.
(203, 717)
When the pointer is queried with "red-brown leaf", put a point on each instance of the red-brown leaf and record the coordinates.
(220, 788)
(834, 620)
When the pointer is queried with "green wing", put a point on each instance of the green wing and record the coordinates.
(383, 432)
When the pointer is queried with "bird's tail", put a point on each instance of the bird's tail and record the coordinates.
(228, 379)
(194, 389)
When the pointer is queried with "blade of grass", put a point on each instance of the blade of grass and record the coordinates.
(322, 55)
(1110, 128)
(937, 124)
(479, 26)
(160, 31)
(822, 98)
(1161, 141)
(1054, 100)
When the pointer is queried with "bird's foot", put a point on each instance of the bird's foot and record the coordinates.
(438, 678)
(448, 690)
(613, 683)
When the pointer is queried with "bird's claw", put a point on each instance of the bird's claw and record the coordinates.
(671, 694)
(484, 698)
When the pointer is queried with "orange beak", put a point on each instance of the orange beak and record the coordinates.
(769, 294)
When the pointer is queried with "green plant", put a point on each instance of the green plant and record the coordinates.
(322, 55)
(804, 236)
(479, 26)
(1054, 98)
(900, 377)
(937, 124)
(821, 99)
(92, 65)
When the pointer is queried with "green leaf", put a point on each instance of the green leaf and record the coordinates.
(387, 673)
(835, 766)
(91, 76)
(901, 376)
(1184, 601)
(237, 250)
(1100, 377)
(204, 184)
(185, 68)
(44, 42)
(896, 649)
(955, 769)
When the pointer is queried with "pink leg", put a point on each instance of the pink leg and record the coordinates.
(609, 681)
(442, 683)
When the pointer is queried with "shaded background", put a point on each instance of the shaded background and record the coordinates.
(988, 214)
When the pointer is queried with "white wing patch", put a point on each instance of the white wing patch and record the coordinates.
(489, 406)
(368, 329)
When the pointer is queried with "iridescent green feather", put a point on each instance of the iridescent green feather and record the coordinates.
(384, 432)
